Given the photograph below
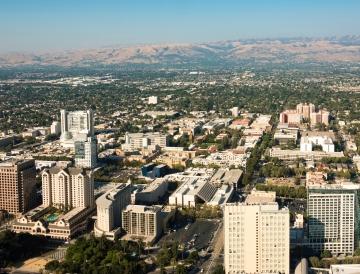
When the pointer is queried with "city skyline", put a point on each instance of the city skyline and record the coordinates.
(42, 26)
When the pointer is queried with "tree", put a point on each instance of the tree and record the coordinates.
(315, 261)
(218, 269)
(180, 269)
(326, 254)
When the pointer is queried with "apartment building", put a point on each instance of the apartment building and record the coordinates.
(67, 188)
(17, 185)
(142, 222)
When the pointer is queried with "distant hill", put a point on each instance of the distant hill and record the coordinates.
(292, 50)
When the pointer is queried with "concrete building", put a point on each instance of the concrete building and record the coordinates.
(293, 155)
(109, 208)
(68, 202)
(138, 141)
(86, 153)
(67, 188)
(333, 217)
(145, 222)
(153, 192)
(76, 126)
(307, 143)
(55, 128)
(322, 117)
(256, 238)
(235, 111)
(153, 100)
(17, 185)
(195, 187)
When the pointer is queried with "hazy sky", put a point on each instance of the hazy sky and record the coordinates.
(38, 25)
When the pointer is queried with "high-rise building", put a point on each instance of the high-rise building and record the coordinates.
(109, 210)
(17, 185)
(333, 217)
(55, 128)
(256, 238)
(86, 153)
(76, 126)
(143, 222)
(67, 188)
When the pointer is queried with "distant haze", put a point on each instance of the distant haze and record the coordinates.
(222, 53)
(43, 25)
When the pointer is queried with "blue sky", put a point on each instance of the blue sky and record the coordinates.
(42, 25)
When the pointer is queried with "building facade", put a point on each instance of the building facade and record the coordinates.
(109, 208)
(67, 188)
(138, 141)
(142, 222)
(86, 153)
(333, 217)
(17, 185)
(256, 238)
(76, 126)
(68, 202)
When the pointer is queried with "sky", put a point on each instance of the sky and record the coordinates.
(48, 25)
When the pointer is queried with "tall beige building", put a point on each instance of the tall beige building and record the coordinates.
(67, 188)
(256, 238)
(142, 222)
(109, 209)
(17, 185)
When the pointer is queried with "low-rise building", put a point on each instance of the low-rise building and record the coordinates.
(153, 192)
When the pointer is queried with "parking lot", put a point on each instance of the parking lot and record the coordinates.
(196, 235)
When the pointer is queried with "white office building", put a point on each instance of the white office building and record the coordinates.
(152, 100)
(138, 141)
(256, 238)
(333, 217)
(109, 208)
(76, 126)
(55, 128)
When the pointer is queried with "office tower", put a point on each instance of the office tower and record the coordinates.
(333, 221)
(67, 188)
(142, 222)
(152, 100)
(17, 185)
(256, 237)
(109, 211)
(76, 126)
(86, 153)
(55, 128)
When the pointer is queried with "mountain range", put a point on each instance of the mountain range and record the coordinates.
(285, 50)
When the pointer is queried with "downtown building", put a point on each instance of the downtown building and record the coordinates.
(145, 223)
(139, 141)
(17, 185)
(68, 202)
(257, 236)
(76, 126)
(109, 208)
(333, 217)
